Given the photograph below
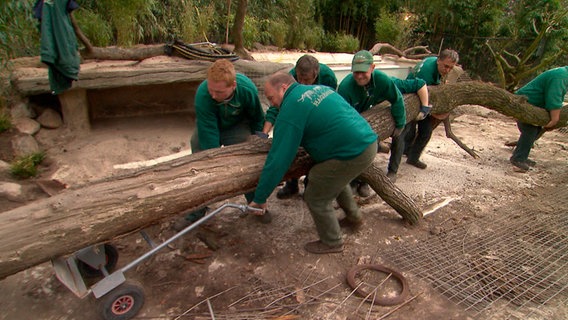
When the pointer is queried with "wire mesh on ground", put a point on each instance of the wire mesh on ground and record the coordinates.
(513, 264)
(265, 300)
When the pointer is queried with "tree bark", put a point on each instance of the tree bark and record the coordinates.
(240, 49)
(96, 212)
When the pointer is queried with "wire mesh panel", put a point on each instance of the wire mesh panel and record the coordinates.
(516, 261)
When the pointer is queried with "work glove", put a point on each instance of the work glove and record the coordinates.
(424, 111)
(261, 134)
(397, 132)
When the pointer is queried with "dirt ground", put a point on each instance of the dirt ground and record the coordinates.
(234, 267)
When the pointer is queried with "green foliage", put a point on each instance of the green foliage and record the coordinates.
(313, 37)
(197, 22)
(19, 35)
(299, 17)
(127, 18)
(347, 43)
(5, 122)
(26, 166)
(94, 27)
(341, 43)
(251, 32)
(274, 32)
(389, 28)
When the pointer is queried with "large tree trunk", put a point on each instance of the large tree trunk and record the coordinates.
(99, 211)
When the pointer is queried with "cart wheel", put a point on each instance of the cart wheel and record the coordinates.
(111, 257)
(123, 302)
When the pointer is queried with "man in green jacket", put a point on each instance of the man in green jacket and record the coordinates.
(339, 140)
(366, 87)
(228, 111)
(308, 70)
(418, 133)
(546, 91)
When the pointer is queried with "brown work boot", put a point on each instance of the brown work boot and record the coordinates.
(364, 190)
(417, 164)
(354, 225)
(319, 247)
(392, 176)
(289, 189)
(522, 166)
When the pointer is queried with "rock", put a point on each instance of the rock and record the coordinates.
(4, 169)
(24, 144)
(22, 110)
(11, 191)
(50, 119)
(27, 125)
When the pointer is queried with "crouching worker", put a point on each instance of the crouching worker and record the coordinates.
(340, 141)
(228, 111)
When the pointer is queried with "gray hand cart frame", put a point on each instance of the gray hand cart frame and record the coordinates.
(118, 298)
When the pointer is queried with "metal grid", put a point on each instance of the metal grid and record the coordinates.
(514, 263)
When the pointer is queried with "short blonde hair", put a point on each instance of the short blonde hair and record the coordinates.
(222, 70)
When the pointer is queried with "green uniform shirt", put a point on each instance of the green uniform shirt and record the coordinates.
(213, 117)
(59, 48)
(319, 120)
(548, 89)
(408, 85)
(325, 77)
(380, 88)
(427, 70)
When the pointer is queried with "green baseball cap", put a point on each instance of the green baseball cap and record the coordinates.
(362, 60)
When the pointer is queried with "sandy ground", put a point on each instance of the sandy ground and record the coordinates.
(257, 267)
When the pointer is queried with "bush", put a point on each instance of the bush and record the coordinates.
(5, 122)
(26, 166)
(251, 32)
(95, 28)
(347, 43)
(276, 31)
(19, 32)
(388, 29)
(313, 38)
(394, 28)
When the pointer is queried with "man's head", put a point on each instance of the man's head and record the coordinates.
(307, 69)
(275, 87)
(221, 80)
(446, 61)
(362, 67)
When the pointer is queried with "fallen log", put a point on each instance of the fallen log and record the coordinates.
(120, 204)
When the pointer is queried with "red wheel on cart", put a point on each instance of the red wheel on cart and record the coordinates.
(111, 258)
(123, 302)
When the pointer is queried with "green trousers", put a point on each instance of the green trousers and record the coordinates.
(329, 180)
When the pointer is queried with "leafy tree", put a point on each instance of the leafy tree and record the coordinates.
(534, 35)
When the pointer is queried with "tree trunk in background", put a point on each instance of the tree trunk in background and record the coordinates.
(238, 30)
(130, 200)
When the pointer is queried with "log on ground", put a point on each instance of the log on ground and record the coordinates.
(100, 211)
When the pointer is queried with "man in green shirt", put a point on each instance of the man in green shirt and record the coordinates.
(228, 111)
(308, 70)
(366, 87)
(418, 133)
(546, 91)
(339, 140)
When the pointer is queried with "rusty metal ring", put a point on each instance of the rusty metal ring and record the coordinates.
(382, 301)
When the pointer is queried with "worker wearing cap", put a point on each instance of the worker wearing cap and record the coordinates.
(366, 87)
